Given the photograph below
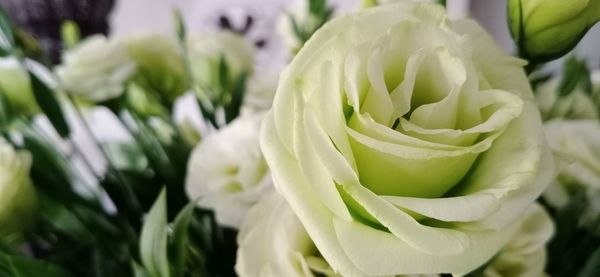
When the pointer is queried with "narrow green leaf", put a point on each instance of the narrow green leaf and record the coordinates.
(180, 29)
(6, 113)
(21, 266)
(50, 170)
(46, 99)
(179, 239)
(7, 39)
(232, 110)
(153, 239)
(224, 74)
(297, 29)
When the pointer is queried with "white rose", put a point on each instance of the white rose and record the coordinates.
(227, 171)
(97, 69)
(405, 142)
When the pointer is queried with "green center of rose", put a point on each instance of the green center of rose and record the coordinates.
(419, 117)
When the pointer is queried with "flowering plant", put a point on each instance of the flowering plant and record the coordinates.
(398, 141)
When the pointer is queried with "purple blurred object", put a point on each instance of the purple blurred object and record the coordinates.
(43, 19)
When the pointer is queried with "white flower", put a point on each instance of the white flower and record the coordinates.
(576, 105)
(160, 65)
(96, 69)
(260, 92)
(18, 200)
(273, 242)
(525, 254)
(227, 171)
(578, 143)
(405, 142)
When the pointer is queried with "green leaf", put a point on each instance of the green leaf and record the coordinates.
(46, 99)
(180, 239)
(126, 156)
(50, 170)
(232, 110)
(64, 220)
(297, 30)
(138, 270)
(537, 79)
(6, 113)
(20, 266)
(153, 239)
(567, 220)
(576, 74)
(223, 73)
(179, 25)
(7, 39)
(592, 266)
(317, 7)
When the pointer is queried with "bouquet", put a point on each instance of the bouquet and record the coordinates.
(397, 142)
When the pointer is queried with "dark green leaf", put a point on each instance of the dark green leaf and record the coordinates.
(48, 102)
(224, 74)
(179, 240)
(232, 110)
(592, 266)
(7, 39)
(20, 266)
(317, 7)
(7, 249)
(567, 220)
(576, 74)
(537, 79)
(63, 220)
(6, 113)
(50, 170)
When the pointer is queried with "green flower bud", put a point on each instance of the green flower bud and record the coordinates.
(14, 84)
(143, 102)
(160, 66)
(547, 29)
(17, 194)
(208, 51)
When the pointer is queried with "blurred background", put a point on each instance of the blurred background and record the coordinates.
(256, 18)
